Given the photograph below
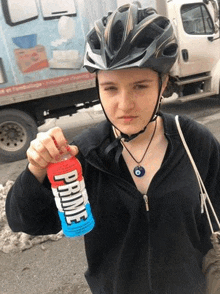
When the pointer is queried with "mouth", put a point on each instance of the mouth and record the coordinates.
(128, 118)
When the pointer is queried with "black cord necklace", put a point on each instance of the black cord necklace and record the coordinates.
(139, 171)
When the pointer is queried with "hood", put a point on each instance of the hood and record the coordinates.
(92, 143)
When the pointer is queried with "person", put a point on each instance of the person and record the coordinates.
(150, 234)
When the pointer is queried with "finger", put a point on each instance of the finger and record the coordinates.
(38, 154)
(38, 146)
(72, 149)
(45, 146)
(42, 150)
(58, 138)
(35, 159)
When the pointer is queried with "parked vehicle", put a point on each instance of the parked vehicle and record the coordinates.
(196, 74)
(41, 74)
(41, 55)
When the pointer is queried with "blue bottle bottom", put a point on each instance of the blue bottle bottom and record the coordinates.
(77, 229)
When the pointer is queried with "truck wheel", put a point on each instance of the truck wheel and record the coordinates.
(17, 130)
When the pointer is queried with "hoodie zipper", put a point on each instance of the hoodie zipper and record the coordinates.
(146, 200)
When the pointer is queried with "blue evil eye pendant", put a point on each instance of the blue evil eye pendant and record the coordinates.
(139, 171)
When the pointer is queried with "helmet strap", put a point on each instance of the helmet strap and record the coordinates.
(159, 100)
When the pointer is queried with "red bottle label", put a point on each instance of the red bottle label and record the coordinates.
(65, 170)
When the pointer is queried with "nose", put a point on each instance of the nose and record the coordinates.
(125, 100)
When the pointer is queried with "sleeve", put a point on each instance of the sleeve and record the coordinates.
(212, 180)
(30, 206)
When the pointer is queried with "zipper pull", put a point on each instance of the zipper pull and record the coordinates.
(146, 202)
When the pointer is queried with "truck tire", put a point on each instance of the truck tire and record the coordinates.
(17, 130)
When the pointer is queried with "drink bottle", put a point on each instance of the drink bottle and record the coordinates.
(71, 197)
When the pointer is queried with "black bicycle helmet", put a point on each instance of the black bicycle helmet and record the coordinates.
(131, 37)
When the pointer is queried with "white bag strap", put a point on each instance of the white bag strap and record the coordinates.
(204, 195)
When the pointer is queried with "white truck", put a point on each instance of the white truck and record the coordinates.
(41, 52)
(196, 74)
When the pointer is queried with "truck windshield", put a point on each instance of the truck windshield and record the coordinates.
(196, 20)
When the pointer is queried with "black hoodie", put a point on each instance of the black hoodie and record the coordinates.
(130, 250)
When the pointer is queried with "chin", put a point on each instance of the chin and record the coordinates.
(129, 130)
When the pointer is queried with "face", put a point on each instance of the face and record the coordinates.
(129, 97)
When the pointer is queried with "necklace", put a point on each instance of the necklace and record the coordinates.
(139, 171)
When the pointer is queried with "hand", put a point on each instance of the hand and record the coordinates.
(46, 148)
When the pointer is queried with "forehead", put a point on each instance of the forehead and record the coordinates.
(129, 74)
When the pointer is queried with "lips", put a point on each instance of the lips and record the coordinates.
(127, 118)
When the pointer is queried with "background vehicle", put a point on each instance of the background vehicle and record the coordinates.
(41, 52)
(41, 74)
(196, 74)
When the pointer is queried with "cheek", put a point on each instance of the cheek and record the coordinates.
(108, 105)
(103, 99)
(147, 101)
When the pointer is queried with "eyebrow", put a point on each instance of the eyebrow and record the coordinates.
(106, 83)
(143, 81)
(137, 82)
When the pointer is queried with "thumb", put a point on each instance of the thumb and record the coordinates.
(73, 149)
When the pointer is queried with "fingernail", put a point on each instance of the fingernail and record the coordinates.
(55, 142)
(68, 148)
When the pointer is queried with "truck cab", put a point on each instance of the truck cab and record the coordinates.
(195, 74)
(195, 35)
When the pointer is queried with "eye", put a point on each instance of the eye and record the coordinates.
(110, 88)
(140, 87)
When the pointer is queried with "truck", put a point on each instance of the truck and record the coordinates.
(41, 60)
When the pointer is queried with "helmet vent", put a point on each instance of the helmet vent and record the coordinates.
(146, 37)
(124, 8)
(161, 22)
(104, 21)
(143, 13)
(144, 43)
(89, 58)
(106, 18)
(117, 35)
(94, 41)
(170, 50)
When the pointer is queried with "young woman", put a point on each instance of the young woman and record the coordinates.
(150, 234)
